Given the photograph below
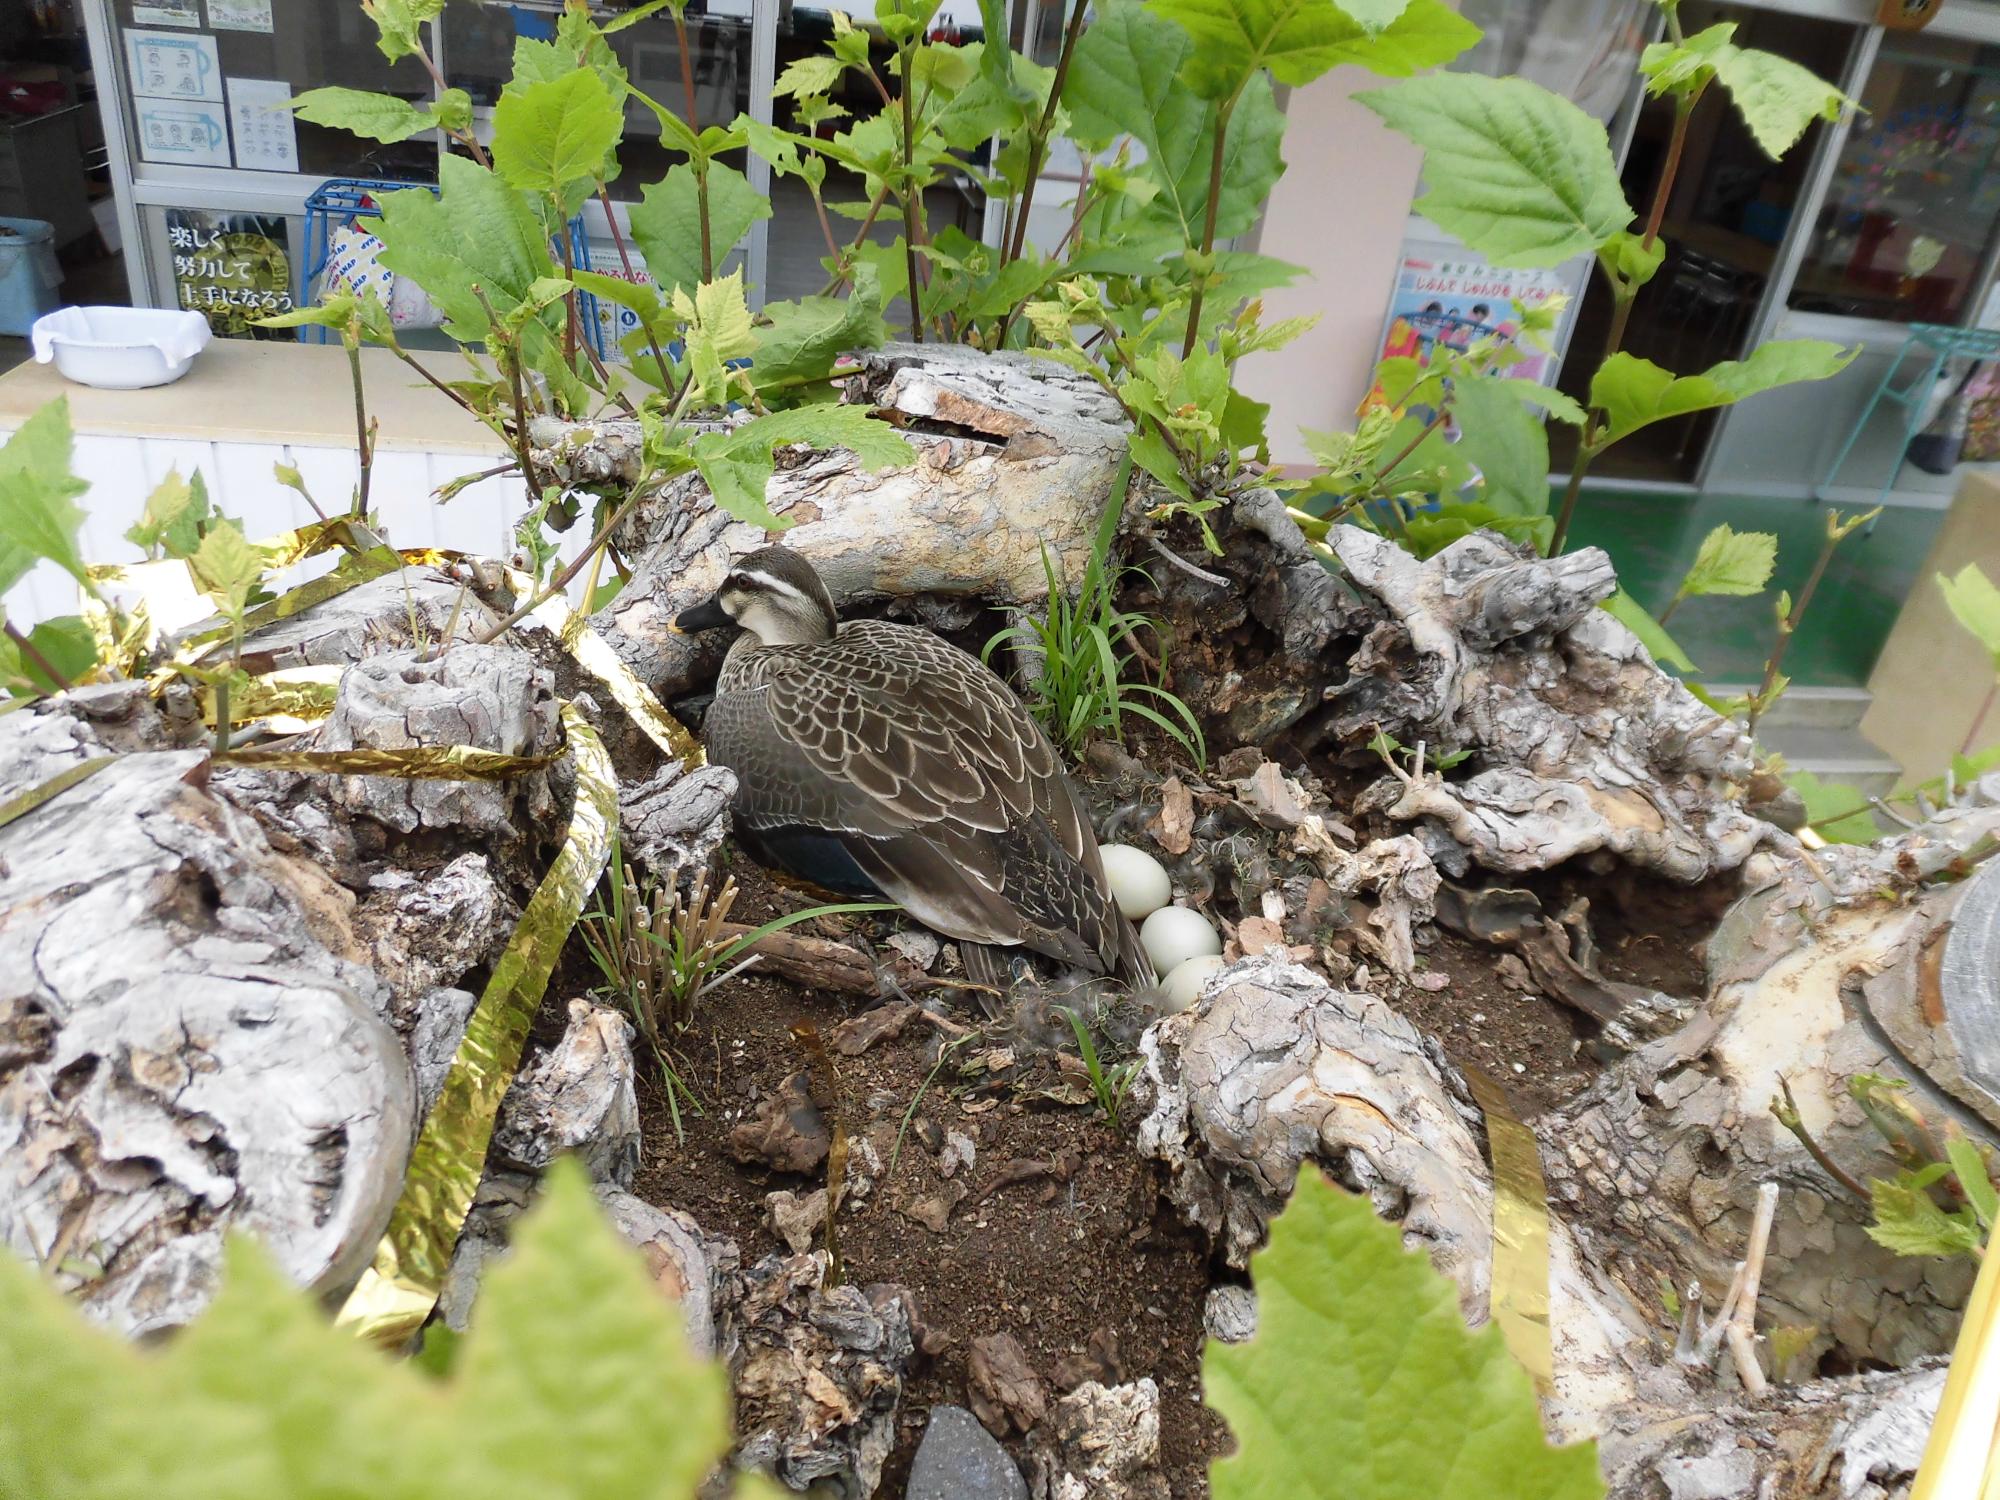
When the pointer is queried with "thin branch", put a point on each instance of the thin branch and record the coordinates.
(909, 194)
(1038, 138)
(1222, 114)
(512, 361)
(1789, 1117)
(1169, 555)
(33, 654)
(364, 437)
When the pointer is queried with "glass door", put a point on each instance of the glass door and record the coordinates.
(1725, 221)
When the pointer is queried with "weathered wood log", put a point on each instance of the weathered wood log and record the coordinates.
(1014, 453)
(1824, 972)
(1579, 742)
(190, 1038)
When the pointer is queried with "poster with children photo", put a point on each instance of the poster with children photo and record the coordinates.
(1460, 300)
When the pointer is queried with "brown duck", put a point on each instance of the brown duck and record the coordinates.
(875, 759)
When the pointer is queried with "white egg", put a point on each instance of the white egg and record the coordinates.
(1173, 935)
(1138, 881)
(1184, 986)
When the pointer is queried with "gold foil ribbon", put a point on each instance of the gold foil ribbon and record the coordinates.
(396, 1294)
(594, 654)
(290, 700)
(26, 802)
(408, 763)
(1519, 1302)
(1961, 1460)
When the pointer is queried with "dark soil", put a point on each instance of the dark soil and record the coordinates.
(1083, 1256)
(1050, 1261)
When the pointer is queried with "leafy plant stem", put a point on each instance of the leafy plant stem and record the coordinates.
(909, 193)
(439, 385)
(1414, 443)
(1789, 626)
(1788, 1116)
(1222, 114)
(33, 654)
(363, 438)
(1588, 447)
(465, 138)
(867, 223)
(511, 359)
(1038, 139)
(687, 68)
(569, 299)
(625, 260)
(563, 578)
(1979, 718)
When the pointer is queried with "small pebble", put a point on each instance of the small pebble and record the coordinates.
(1138, 881)
(1174, 934)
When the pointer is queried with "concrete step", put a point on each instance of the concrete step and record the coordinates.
(1842, 755)
(1808, 707)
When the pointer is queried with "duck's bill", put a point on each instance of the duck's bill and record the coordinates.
(709, 616)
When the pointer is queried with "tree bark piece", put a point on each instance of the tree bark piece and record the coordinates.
(1013, 453)
(487, 697)
(576, 1097)
(1814, 976)
(187, 1042)
(1100, 1443)
(1581, 742)
(819, 1372)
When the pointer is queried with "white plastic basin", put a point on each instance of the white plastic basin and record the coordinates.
(120, 348)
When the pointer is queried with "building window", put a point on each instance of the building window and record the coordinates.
(1909, 219)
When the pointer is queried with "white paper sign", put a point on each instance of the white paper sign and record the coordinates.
(193, 134)
(266, 138)
(167, 13)
(239, 15)
(166, 66)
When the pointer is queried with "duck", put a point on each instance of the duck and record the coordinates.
(879, 761)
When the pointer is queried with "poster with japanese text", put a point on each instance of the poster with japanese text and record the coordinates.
(233, 268)
(240, 15)
(1456, 299)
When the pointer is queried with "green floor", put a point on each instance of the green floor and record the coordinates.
(1652, 538)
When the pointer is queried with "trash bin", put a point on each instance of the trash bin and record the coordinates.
(29, 275)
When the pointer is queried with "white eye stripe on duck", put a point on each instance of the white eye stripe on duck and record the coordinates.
(770, 583)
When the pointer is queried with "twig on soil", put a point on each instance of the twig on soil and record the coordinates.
(1742, 1330)
(1184, 565)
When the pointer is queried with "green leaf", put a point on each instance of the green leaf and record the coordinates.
(1634, 392)
(1629, 262)
(175, 515)
(399, 24)
(227, 567)
(1298, 40)
(1685, 68)
(68, 644)
(1628, 612)
(815, 73)
(1909, 1221)
(478, 232)
(1975, 603)
(1974, 1179)
(576, 1382)
(39, 517)
(718, 330)
(1362, 1378)
(635, 295)
(666, 221)
(552, 138)
(737, 464)
(806, 337)
(1506, 438)
(1522, 176)
(378, 117)
(1122, 81)
(1777, 98)
(1730, 562)
(1839, 813)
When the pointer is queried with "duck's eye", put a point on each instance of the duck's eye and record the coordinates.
(736, 581)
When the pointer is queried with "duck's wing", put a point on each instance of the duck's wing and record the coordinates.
(944, 788)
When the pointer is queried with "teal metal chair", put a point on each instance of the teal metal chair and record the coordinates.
(1933, 344)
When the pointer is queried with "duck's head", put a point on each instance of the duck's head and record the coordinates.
(774, 594)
